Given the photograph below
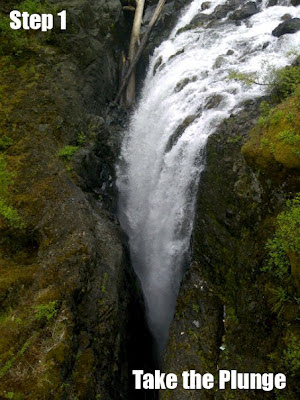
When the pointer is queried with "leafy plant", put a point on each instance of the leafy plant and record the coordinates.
(282, 82)
(46, 311)
(285, 240)
(288, 136)
(279, 299)
(285, 81)
(67, 152)
(81, 138)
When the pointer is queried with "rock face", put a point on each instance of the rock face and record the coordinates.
(72, 321)
(224, 317)
(290, 26)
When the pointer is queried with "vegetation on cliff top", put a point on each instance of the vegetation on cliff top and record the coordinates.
(275, 141)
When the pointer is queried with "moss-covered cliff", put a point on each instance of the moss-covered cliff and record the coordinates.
(68, 299)
(238, 306)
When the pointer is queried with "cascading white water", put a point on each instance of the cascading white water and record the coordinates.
(185, 96)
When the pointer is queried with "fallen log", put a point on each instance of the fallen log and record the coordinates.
(134, 40)
(139, 52)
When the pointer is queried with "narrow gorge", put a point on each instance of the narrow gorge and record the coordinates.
(165, 236)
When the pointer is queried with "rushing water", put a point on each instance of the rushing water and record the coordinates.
(185, 96)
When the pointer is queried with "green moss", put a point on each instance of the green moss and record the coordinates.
(275, 140)
(5, 142)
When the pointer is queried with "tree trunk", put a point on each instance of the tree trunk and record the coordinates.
(138, 54)
(134, 42)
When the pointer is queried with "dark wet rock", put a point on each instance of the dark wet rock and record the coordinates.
(219, 61)
(199, 18)
(230, 52)
(176, 54)
(286, 17)
(295, 2)
(224, 290)
(214, 101)
(179, 131)
(195, 334)
(222, 10)
(272, 3)
(205, 5)
(246, 11)
(196, 22)
(287, 27)
(180, 85)
(157, 65)
(265, 45)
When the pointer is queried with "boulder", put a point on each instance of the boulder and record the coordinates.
(246, 11)
(205, 5)
(222, 10)
(272, 3)
(289, 26)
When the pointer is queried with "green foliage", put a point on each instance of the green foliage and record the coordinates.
(5, 142)
(282, 82)
(46, 311)
(7, 366)
(11, 215)
(275, 116)
(289, 226)
(265, 109)
(279, 298)
(288, 136)
(265, 142)
(235, 139)
(278, 263)
(286, 81)
(292, 355)
(290, 118)
(67, 152)
(7, 212)
(247, 78)
(285, 240)
(9, 395)
(81, 138)
(196, 308)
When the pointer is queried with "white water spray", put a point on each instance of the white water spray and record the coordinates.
(186, 95)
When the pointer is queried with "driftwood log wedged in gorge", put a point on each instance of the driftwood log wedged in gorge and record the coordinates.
(129, 78)
(134, 42)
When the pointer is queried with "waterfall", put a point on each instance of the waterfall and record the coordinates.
(186, 94)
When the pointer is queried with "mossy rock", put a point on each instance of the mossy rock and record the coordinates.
(274, 143)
